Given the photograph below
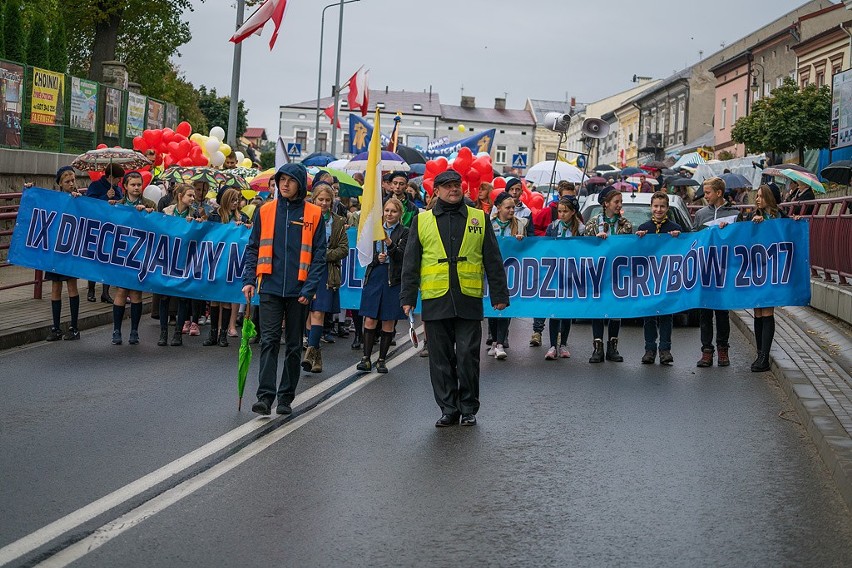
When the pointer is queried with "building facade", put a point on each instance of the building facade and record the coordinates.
(824, 49)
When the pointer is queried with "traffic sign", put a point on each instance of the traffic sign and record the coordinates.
(294, 150)
(519, 161)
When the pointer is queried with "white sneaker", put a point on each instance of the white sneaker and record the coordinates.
(202, 320)
(563, 352)
(499, 352)
(551, 354)
(491, 351)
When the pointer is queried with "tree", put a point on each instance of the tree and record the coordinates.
(38, 54)
(58, 46)
(216, 110)
(791, 119)
(13, 31)
(3, 30)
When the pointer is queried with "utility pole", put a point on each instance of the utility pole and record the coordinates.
(235, 81)
(337, 81)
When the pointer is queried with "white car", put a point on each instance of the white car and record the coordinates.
(637, 209)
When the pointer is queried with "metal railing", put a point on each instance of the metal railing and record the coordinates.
(8, 216)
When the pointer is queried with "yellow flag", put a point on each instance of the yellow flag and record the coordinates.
(370, 227)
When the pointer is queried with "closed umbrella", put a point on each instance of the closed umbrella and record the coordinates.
(410, 155)
(249, 331)
(838, 172)
(541, 173)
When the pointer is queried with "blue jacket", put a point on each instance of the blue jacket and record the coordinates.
(286, 247)
(98, 190)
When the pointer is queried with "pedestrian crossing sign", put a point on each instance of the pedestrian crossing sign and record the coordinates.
(519, 161)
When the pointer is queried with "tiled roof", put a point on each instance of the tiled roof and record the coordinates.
(519, 117)
(394, 101)
(255, 133)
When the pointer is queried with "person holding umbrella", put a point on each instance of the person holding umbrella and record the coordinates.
(284, 261)
(106, 189)
(449, 251)
(66, 182)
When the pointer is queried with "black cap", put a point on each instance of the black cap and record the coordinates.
(501, 198)
(445, 177)
(570, 201)
(605, 192)
(393, 175)
(512, 182)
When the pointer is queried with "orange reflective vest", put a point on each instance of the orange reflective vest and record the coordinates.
(312, 219)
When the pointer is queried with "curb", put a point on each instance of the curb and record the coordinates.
(832, 441)
(20, 337)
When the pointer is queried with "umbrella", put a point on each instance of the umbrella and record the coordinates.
(98, 160)
(655, 165)
(410, 155)
(199, 173)
(249, 332)
(631, 170)
(540, 173)
(838, 172)
(227, 180)
(595, 180)
(261, 181)
(623, 186)
(418, 169)
(177, 174)
(390, 162)
(348, 186)
(684, 182)
(244, 172)
(735, 181)
(339, 164)
(318, 159)
(638, 179)
(796, 167)
(805, 178)
(600, 168)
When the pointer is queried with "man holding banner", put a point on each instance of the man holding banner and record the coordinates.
(450, 248)
(286, 254)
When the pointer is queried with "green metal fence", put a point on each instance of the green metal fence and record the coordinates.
(80, 125)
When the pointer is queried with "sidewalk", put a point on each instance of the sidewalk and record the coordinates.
(25, 320)
(812, 359)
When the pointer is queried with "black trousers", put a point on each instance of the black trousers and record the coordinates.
(273, 310)
(723, 328)
(454, 345)
(498, 329)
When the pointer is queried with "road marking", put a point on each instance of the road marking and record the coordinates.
(109, 531)
(47, 533)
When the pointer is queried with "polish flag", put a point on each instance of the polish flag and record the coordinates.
(329, 112)
(359, 92)
(269, 10)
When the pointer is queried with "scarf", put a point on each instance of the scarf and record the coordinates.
(660, 224)
(125, 201)
(564, 229)
(407, 213)
(501, 226)
(185, 213)
(609, 224)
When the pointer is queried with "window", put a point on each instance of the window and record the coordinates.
(500, 155)
(724, 113)
(550, 155)
(417, 106)
(502, 132)
(672, 117)
(522, 149)
(681, 112)
(735, 103)
(835, 70)
(804, 83)
(820, 79)
(302, 139)
(451, 128)
(523, 133)
(767, 88)
(779, 81)
(344, 103)
(322, 142)
(345, 142)
(380, 105)
(416, 123)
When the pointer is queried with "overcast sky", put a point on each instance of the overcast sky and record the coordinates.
(543, 49)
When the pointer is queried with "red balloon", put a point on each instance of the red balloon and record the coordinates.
(95, 176)
(146, 178)
(168, 135)
(499, 183)
(152, 137)
(472, 178)
(495, 193)
(173, 149)
(483, 165)
(460, 167)
(428, 185)
(465, 153)
(185, 162)
(168, 161)
(488, 177)
(184, 129)
(158, 159)
(139, 144)
(535, 201)
(464, 186)
(442, 164)
(101, 146)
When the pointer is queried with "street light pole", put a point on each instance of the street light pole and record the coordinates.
(337, 80)
(319, 73)
(235, 81)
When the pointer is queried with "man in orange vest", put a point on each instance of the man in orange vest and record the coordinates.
(286, 256)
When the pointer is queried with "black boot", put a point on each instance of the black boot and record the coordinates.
(598, 353)
(612, 351)
(762, 364)
(164, 337)
(357, 342)
(223, 337)
(177, 338)
(369, 341)
(213, 338)
(341, 329)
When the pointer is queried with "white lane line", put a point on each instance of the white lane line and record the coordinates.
(47, 533)
(156, 505)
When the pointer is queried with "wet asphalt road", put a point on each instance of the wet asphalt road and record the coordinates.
(571, 464)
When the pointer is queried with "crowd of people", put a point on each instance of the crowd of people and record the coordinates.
(298, 239)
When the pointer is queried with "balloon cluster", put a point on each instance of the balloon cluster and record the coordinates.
(473, 171)
(182, 147)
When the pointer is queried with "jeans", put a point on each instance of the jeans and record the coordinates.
(273, 310)
(538, 325)
(664, 323)
(558, 326)
(723, 328)
(598, 328)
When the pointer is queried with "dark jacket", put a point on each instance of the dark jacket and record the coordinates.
(396, 252)
(216, 218)
(98, 190)
(286, 247)
(451, 221)
(667, 227)
(806, 195)
(751, 215)
(553, 229)
(409, 209)
(338, 249)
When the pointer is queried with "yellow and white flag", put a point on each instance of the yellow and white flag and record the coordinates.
(370, 227)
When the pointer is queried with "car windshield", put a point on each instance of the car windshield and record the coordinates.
(638, 213)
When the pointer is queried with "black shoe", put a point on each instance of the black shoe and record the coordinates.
(649, 357)
(223, 337)
(54, 335)
(365, 365)
(341, 330)
(393, 342)
(177, 339)
(447, 420)
(381, 367)
(666, 358)
(612, 351)
(212, 338)
(134, 337)
(106, 299)
(598, 353)
(91, 297)
(116, 337)
(761, 364)
(356, 343)
(283, 408)
(164, 338)
(261, 407)
(468, 420)
(72, 334)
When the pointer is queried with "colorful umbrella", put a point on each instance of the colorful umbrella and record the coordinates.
(390, 162)
(244, 172)
(98, 160)
(249, 331)
(228, 179)
(261, 181)
(805, 178)
(348, 186)
(623, 186)
(177, 174)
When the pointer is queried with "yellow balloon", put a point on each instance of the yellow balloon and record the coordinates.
(246, 163)
(225, 149)
(462, 128)
(196, 137)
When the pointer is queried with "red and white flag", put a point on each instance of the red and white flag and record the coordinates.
(269, 10)
(359, 91)
(329, 112)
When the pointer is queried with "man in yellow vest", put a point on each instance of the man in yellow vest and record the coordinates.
(286, 255)
(450, 251)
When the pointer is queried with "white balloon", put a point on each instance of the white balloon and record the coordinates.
(217, 159)
(212, 146)
(218, 132)
(240, 157)
(153, 192)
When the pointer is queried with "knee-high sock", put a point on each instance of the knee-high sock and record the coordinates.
(74, 304)
(226, 317)
(164, 312)
(758, 333)
(384, 343)
(369, 339)
(117, 317)
(768, 334)
(214, 317)
(314, 335)
(56, 310)
(135, 316)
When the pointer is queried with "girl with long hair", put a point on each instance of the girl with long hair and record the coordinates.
(66, 182)
(504, 223)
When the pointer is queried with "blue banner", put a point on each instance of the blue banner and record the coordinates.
(360, 132)
(741, 266)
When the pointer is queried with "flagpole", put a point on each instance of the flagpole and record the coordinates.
(235, 81)
(337, 81)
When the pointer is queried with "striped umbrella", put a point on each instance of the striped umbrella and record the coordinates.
(805, 178)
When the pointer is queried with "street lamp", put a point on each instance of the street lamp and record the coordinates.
(755, 73)
(319, 71)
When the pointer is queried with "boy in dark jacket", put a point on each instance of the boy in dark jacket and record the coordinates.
(658, 225)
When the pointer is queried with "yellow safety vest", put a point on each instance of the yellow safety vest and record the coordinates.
(435, 264)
